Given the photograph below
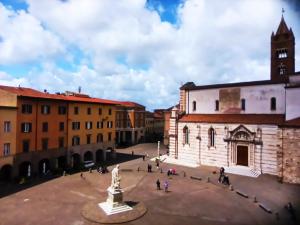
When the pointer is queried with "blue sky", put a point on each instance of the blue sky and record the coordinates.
(138, 50)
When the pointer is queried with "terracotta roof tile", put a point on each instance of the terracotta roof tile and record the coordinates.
(235, 118)
(129, 104)
(292, 123)
(28, 92)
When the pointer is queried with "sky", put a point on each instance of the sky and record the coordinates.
(138, 50)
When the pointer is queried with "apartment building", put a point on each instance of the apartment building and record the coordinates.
(41, 131)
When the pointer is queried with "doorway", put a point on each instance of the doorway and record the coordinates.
(242, 155)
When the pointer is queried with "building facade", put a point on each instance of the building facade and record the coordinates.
(155, 122)
(251, 124)
(41, 131)
(130, 123)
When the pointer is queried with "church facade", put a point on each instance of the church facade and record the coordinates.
(250, 124)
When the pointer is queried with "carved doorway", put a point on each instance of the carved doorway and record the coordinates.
(242, 155)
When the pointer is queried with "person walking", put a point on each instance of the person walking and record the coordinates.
(166, 186)
(222, 171)
(158, 184)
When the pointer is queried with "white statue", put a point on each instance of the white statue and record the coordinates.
(115, 179)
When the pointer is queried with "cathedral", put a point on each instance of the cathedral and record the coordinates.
(253, 125)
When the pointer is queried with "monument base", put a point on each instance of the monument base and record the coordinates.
(110, 210)
(114, 203)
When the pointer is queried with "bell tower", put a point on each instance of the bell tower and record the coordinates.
(282, 52)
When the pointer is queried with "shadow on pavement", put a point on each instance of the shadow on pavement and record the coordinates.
(8, 188)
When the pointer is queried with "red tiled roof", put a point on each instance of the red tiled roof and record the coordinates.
(28, 92)
(235, 118)
(129, 104)
(292, 123)
(158, 115)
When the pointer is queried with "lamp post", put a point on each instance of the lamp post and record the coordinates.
(158, 150)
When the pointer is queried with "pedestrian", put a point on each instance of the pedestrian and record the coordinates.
(158, 184)
(168, 173)
(166, 186)
(143, 157)
(221, 177)
(289, 207)
(150, 168)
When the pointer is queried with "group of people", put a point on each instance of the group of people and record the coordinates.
(171, 171)
(102, 169)
(166, 185)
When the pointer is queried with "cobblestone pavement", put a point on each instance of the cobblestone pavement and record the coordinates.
(189, 201)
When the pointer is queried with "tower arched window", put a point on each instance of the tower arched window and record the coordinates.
(194, 105)
(282, 69)
(281, 53)
(211, 137)
(186, 135)
(273, 103)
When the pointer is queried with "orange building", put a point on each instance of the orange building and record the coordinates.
(8, 112)
(41, 131)
(130, 123)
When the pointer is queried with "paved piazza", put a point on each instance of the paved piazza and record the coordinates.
(189, 201)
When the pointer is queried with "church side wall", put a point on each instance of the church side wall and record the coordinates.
(292, 103)
(188, 152)
(258, 100)
(261, 157)
(291, 155)
(271, 144)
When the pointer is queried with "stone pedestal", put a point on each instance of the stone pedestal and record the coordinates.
(114, 203)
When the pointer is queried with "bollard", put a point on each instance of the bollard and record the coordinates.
(208, 179)
(64, 173)
(231, 187)
(277, 215)
(184, 174)
(254, 199)
(161, 170)
(138, 169)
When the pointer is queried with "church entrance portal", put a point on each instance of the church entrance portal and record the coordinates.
(242, 155)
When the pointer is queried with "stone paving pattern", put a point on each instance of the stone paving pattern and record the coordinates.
(189, 201)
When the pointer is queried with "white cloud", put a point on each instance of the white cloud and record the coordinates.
(214, 42)
(23, 38)
(6, 79)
